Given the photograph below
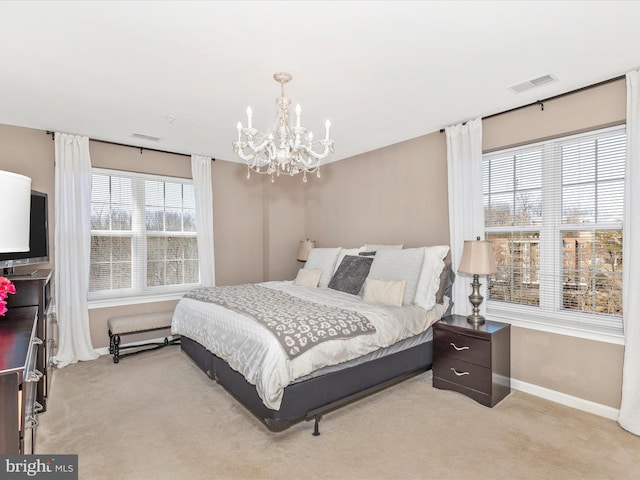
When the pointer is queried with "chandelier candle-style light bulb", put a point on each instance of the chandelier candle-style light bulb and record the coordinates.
(282, 150)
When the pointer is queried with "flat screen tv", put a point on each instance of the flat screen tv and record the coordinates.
(38, 238)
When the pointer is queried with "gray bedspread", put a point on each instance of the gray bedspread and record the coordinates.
(298, 324)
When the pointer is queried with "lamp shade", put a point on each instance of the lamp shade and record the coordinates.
(478, 258)
(305, 248)
(15, 200)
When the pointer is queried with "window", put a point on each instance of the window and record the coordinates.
(143, 235)
(554, 211)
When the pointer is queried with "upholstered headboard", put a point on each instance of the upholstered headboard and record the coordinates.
(446, 283)
(393, 263)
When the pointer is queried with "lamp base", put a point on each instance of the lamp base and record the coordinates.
(475, 319)
(476, 300)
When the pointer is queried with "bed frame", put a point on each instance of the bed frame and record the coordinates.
(311, 398)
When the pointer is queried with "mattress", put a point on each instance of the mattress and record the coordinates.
(253, 351)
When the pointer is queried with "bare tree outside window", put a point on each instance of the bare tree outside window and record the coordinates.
(143, 233)
(554, 213)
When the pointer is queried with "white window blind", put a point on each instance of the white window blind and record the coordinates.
(554, 211)
(143, 235)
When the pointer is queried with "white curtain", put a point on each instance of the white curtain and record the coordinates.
(72, 248)
(629, 417)
(466, 211)
(201, 173)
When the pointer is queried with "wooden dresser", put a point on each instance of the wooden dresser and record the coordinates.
(473, 360)
(35, 290)
(19, 380)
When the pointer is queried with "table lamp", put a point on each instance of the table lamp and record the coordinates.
(305, 248)
(477, 259)
(15, 200)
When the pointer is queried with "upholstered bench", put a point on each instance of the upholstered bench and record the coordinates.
(135, 324)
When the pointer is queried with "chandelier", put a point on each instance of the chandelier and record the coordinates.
(284, 150)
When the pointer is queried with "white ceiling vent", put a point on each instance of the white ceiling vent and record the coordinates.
(529, 84)
(142, 136)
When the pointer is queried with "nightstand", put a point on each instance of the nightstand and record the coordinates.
(473, 360)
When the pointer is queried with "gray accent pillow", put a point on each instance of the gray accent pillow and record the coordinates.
(351, 274)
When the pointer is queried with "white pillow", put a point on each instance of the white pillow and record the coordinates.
(375, 248)
(429, 281)
(386, 292)
(343, 253)
(403, 264)
(325, 260)
(308, 277)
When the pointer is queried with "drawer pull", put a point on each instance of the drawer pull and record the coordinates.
(457, 347)
(34, 376)
(459, 374)
(37, 341)
(30, 422)
(37, 408)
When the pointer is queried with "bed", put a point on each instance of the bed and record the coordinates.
(354, 321)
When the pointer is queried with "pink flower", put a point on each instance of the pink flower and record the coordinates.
(6, 288)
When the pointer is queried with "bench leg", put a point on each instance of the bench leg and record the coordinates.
(116, 348)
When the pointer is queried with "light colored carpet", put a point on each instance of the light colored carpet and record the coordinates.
(157, 416)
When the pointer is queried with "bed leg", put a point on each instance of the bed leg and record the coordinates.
(316, 429)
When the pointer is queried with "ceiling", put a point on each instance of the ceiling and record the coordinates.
(382, 72)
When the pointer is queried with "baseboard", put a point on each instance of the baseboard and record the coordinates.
(565, 399)
(542, 392)
(105, 350)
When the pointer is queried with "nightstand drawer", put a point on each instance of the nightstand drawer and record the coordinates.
(462, 347)
(463, 373)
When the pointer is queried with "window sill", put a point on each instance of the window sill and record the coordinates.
(134, 300)
(557, 326)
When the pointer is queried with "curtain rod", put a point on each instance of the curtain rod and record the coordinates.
(541, 102)
(53, 136)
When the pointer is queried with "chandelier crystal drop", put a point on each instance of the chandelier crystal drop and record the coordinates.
(285, 149)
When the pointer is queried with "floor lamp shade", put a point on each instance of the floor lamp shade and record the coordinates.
(15, 202)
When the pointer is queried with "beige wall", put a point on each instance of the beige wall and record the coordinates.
(575, 366)
(284, 221)
(257, 225)
(238, 224)
(596, 107)
(586, 369)
(397, 194)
